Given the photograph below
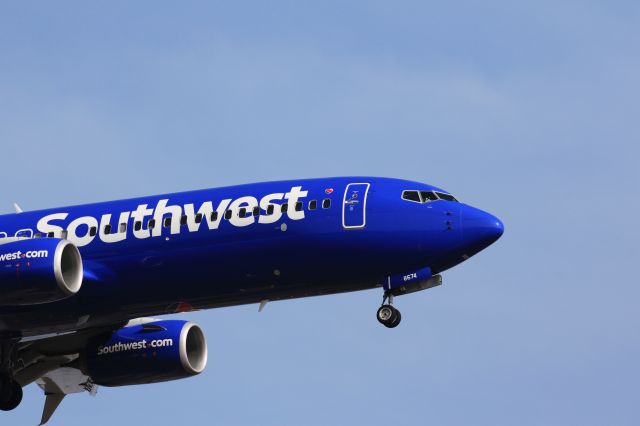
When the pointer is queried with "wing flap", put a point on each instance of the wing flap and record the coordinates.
(59, 383)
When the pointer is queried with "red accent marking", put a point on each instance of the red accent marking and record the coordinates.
(184, 307)
(328, 191)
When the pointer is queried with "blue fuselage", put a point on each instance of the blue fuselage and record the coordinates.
(227, 246)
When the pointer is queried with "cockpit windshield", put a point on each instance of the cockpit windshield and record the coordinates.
(447, 197)
(411, 196)
(426, 196)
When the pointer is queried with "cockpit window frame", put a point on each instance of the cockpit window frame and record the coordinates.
(439, 193)
(412, 201)
(424, 200)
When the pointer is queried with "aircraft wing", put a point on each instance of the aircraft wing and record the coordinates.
(53, 364)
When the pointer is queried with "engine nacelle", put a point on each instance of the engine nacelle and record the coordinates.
(40, 270)
(148, 353)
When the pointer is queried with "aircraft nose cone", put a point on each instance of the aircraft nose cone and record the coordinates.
(480, 229)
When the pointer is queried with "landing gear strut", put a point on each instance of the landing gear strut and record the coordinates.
(388, 315)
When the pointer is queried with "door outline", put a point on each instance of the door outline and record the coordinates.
(364, 206)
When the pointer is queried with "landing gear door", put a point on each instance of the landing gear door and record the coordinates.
(354, 206)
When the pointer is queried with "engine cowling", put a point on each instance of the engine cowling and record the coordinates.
(38, 271)
(154, 352)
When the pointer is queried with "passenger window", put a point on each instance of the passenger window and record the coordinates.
(270, 209)
(183, 219)
(326, 203)
(151, 224)
(93, 231)
(37, 235)
(428, 196)
(284, 208)
(242, 212)
(313, 204)
(123, 228)
(214, 216)
(65, 234)
(198, 217)
(411, 196)
(51, 235)
(228, 214)
(107, 229)
(167, 221)
(256, 211)
(299, 206)
(137, 226)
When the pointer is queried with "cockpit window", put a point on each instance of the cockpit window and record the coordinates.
(447, 197)
(428, 196)
(411, 196)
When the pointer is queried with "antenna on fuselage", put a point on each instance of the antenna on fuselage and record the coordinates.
(17, 207)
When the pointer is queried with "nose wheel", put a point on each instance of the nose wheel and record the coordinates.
(388, 315)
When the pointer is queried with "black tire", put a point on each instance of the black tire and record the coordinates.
(11, 396)
(5, 389)
(386, 314)
(389, 316)
(396, 320)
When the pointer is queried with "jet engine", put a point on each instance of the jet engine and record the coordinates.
(153, 352)
(38, 271)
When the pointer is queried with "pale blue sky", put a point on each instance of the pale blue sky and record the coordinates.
(529, 111)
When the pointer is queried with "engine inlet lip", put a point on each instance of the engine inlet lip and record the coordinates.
(71, 284)
(197, 365)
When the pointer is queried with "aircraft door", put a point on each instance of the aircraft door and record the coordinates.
(354, 205)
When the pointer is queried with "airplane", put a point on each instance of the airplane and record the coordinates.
(81, 287)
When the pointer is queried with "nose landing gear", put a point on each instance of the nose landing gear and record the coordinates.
(388, 315)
